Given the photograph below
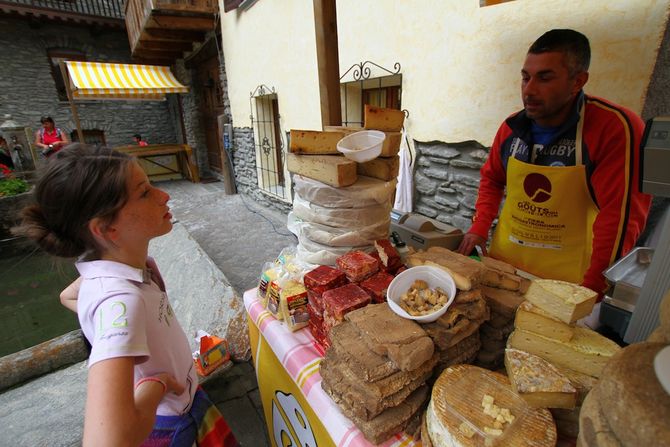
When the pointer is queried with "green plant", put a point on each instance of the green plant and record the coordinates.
(13, 186)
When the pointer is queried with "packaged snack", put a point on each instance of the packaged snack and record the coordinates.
(293, 303)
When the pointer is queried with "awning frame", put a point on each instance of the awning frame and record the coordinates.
(154, 85)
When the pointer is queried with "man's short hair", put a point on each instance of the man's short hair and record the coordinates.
(574, 44)
(47, 119)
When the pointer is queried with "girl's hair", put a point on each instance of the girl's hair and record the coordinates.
(79, 183)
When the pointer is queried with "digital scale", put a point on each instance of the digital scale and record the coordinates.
(422, 232)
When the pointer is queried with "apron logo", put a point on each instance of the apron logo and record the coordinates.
(537, 187)
(290, 425)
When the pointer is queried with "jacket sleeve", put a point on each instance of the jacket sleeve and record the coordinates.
(614, 182)
(491, 187)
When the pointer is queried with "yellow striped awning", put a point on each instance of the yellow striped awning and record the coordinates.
(97, 80)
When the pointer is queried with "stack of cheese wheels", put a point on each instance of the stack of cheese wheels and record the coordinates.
(628, 407)
(331, 221)
(472, 406)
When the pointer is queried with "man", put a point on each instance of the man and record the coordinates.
(568, 163)
(137, 138)
(50, 138)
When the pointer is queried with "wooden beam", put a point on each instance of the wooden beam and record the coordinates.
(181, 23)
(68, 90)
(325, 22)
(165, 45)
(169, 34)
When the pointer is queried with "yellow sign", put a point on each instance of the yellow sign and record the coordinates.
(290, 420)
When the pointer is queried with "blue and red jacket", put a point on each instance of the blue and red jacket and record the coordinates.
(611, 141)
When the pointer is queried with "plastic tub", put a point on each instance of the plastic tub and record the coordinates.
(435, 277)
(362, 146)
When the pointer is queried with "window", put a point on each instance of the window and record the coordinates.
(62, 54)
(358, 88)
(273, 178)
(92, 136)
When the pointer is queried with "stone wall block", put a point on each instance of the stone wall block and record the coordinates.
(466, 164)
(447, 201)
(437, 149)
(437, 173)
(479, 154)
(423, 184)
(468, 180)
(438, 160)
(461, 223)
(426, 211)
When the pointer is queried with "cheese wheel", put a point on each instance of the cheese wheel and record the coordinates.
(460, 394)
(629, 391)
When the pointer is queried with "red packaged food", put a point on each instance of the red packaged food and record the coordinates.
(315, 315)
(337, 302)
(316, 300)
(357, 265)
(376, 286)
(391, 269)
(387, 253)
(324, 278)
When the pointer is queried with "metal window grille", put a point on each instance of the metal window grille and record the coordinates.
(273, 178)
(359, 87)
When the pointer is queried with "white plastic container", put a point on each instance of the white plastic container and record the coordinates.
(435, 277)
(362, 146)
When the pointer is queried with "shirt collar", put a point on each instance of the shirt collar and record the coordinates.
(521, 124)
(112, 269)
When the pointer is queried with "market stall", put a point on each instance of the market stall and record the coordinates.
(86, 81)
(358, 340)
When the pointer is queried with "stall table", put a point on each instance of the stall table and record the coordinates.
(297, 411)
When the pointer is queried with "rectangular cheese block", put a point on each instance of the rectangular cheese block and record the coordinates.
(465, 271)
(505, 280)
(381, 168)
(538, 382)
(497, 264)
(391, 145)
(315, 142)
(503, 302)
(329, 169)
(567, 301)
(587, 352)
(533, 319)
(387, 120)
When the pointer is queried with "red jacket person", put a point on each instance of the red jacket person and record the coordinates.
(568, 164)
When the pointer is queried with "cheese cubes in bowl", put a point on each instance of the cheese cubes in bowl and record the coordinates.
(422, 293)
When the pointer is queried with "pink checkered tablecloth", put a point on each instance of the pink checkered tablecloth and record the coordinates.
(300, 357)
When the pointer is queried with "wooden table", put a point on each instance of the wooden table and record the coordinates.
(151, 153)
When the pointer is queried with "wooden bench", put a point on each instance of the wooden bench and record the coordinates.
(151, 154)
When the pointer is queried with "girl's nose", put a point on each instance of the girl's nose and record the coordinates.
(164, 197)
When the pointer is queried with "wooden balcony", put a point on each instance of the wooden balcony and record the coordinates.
(160, 31)
(87, 12)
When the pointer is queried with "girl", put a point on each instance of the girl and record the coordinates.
(98, 204)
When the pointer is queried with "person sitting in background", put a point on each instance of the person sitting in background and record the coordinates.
(50, 138)
(137, 138)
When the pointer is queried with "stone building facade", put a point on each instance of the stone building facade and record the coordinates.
(28, 90)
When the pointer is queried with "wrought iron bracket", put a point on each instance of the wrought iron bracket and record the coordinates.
(362, 71)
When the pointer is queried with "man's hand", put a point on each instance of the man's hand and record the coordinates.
(469, 242)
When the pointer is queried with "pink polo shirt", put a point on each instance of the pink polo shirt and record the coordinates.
(125, 312)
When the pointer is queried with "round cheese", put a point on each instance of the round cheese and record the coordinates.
(466, 403)
(632, 399)
(594, 431)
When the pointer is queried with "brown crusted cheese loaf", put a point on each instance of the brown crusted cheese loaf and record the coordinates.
(633, 401)
(594, 431)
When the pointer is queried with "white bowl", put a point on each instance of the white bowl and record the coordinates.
(434, 276)
(362, 146)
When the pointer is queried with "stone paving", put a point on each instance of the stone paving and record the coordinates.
(239, 236)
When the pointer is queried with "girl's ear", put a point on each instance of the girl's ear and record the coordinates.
(102, 231)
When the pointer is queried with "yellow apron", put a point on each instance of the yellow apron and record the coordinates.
(546, 224)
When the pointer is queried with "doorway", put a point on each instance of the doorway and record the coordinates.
(211, 106)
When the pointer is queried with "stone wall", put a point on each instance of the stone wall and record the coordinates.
(246, 180)
(446, 180)
(27, 88)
